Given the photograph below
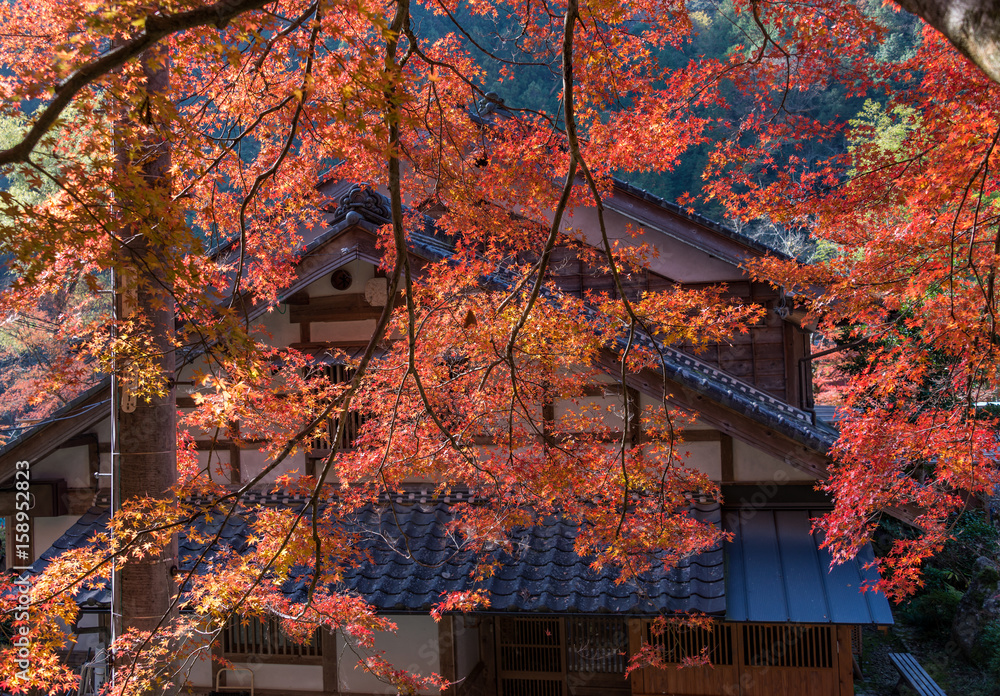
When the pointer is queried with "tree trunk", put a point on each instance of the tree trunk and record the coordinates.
(973, 26)
(147, 435)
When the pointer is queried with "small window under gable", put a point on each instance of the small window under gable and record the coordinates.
(321, 445)
(249, 639)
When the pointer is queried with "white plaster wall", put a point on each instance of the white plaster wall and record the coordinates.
(70, 463)
(46, 530)
(253, 461)
(275, 327)
(413, 647)
(103, 430)
(361, 272)
(706, 457)
(341, 330)
(281, 677)
(88, 641)
(284, 678)
(674, 259)
(750, 464)
(218, 465)
(200, 673)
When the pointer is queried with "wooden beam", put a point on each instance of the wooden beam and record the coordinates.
(345, 307)
(298, 298)
(845, 663)
(235, 464)
(635, 416)
(488, 653)
(323, 345)
(634, 646)
(728, 469)
(702, 435)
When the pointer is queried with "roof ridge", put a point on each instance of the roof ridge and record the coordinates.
(698, 218)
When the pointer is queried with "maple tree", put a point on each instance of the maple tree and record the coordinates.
(265, 97)
(912, 208)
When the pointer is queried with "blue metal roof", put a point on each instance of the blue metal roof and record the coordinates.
(776, 572)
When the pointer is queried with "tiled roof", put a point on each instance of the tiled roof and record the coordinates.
(82, 532)
(541, 575)
(773, 571)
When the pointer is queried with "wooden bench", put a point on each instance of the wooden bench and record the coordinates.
(913, 674)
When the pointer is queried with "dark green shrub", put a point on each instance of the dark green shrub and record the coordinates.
(987, 650)
(933, 608)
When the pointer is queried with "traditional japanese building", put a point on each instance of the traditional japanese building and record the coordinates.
(785, 621)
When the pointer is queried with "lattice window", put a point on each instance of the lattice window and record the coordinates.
(783, 645)
(856, 641)
(680, 643)
(596, 644)
(530, 656)
(338, 374)
(264, 640)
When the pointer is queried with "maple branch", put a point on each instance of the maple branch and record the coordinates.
(295, 24)
(285, 149)
(572, 12)
(984, 166)
(156, 27)
(233, 142)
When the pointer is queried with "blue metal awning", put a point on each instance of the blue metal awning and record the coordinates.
(776, 572)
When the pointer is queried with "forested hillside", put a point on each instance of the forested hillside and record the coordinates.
(531, 82)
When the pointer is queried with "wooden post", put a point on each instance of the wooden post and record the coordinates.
(446, 648)
(634, 646)
(845, 665)
(331, 679)
(488, 654)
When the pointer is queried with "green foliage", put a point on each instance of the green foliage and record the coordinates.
(987, 652)
(933, 608)
(23, 183)
(948, 575)
(884, 130)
